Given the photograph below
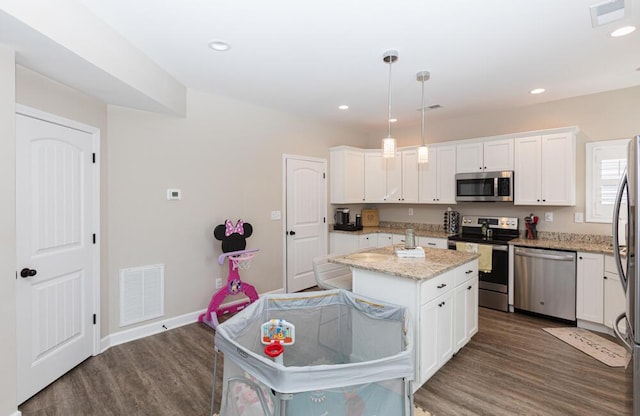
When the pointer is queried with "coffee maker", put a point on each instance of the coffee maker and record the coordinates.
(342, 221)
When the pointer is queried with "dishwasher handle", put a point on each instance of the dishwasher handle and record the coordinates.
(539, 255)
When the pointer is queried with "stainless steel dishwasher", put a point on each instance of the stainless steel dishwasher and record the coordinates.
(545, 282)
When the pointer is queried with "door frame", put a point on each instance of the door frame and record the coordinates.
(285, 158)
(95, 138)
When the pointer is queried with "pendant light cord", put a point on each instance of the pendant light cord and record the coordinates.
(422, 109)
(389, 115)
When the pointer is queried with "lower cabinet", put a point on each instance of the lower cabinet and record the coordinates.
(443, 315)
(600, 297)
(466, 313)
(343, 243)
(589, 287)
(614, 298)
(436, 340)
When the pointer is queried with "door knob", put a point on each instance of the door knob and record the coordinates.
(292, 233)
(27, 272)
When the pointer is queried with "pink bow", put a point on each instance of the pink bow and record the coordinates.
(230, 229)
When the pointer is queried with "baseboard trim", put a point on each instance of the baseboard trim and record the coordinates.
(156, 327)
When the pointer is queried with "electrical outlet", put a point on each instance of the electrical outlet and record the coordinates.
(218, 283)
(548, 216)
(578, 217)
(410, 211)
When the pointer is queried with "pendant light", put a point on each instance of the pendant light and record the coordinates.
(423, 150)
(389, 143)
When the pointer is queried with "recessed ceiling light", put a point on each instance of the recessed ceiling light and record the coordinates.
(343, 107)
(537, 91)
(219, 45)
(393, 120)
(623, 31)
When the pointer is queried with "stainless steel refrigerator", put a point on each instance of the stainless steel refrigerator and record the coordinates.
(630, 274)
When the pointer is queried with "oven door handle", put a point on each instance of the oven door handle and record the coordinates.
(494, 247)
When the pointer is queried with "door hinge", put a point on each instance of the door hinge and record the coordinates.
(94, 158)
(94, 319)
(324, 175)
(94, 238)
(324, 220)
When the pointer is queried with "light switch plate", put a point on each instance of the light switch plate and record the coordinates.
(578, 217)
(548, 216)
(275, 215)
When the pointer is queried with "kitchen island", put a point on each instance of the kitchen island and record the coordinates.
(440, 292)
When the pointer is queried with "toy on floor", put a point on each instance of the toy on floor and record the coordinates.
(275, 334)
(234, 242)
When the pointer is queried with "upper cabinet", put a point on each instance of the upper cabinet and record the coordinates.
(391, 180)
(437, 178)
(485, 156)
(545, 169)
(359, 176)
(347, 175)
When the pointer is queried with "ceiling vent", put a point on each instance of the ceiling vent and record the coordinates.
(607, 12)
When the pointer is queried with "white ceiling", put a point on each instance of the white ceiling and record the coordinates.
(310, 57)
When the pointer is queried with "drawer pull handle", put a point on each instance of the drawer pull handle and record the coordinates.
(431, 244)
(441, 304)
(468, 271)
(469, 288)
(441, 286)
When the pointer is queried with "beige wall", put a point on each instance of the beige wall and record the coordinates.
(604, 116)
(226, 157)
(7, 233)
(36, 91)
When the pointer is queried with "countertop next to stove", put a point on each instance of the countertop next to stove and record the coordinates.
(570, 245)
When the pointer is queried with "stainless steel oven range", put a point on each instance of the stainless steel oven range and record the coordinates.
(493, 286)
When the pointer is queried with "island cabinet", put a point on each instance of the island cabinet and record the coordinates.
(443, 308)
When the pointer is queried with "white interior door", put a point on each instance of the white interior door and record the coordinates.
(55, 217)
(306, 226)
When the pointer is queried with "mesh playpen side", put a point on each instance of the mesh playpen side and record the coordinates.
(352, 356)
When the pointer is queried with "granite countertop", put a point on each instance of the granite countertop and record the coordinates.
(585, 246)
(416, 231)
(383, 260)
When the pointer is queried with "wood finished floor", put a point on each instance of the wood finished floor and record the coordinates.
(510, 367)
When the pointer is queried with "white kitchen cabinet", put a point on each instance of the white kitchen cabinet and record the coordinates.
(436, 329)
(385, 239)
(614, 299)
(590, 287)
(545, 169)
(343, 243)
(346, 175)
(391, 180)
(367, 241)
(375, 176)
(466, 313)
(410, 176)
(437, 178)
(432, 242)
(485, 156)
(431, 306)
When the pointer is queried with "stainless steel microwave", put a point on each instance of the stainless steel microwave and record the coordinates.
(484, 186)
